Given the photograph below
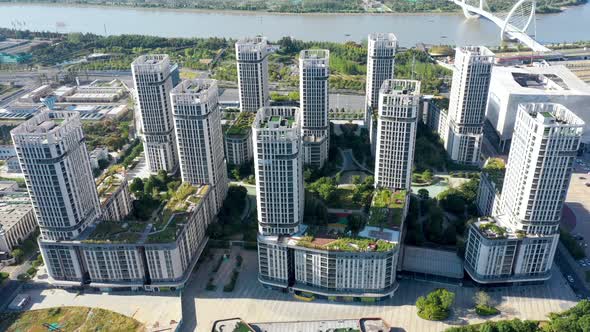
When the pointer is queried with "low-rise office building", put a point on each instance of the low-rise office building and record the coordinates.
(497, 253)
(328, 263)
(238, 139)
(436, 117)
(154, 255)
(115, 199)
(17, 219)
(511, 86)
(490, 187)
(7, 151)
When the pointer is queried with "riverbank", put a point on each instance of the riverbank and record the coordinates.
(410, 29)
(541, 8)
(221, 11)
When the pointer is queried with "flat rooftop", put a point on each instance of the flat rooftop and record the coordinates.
(387, 208)
(195, 86)
(164, 228)
(315, 54)
(401, 87)
(277, 122)
(495, 168)
(532, 80)
(242, 124)
(109, 184)
(13, 207)
(334, 237)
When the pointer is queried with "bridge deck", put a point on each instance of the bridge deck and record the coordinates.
(511, 31)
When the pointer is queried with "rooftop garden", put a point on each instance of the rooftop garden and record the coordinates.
(495, 168)
(117, 232)
(110, 181)
(169, 233)
(441, 103)
(284, 121)
(387, 208)
(491, 230)
(242, 124)
(344, 243)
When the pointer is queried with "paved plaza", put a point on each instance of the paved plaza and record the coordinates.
(254, 303)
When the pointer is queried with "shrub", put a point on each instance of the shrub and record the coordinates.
(239, 260)
(31, 271)
(210, 285)
(232, 284)
(436, 305)
(484, 310)
(216, 268)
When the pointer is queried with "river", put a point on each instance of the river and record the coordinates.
(571, 25)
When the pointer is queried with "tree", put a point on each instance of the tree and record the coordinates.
(235, 173)
(355, 224)
(423, 193)
(18, 254)
(324, 187)
(482, 298)
(427, 175)
(436, 305)
(338, 177)
(136, 185)
(356, 179)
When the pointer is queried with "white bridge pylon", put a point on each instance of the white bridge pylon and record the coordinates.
(513, 25)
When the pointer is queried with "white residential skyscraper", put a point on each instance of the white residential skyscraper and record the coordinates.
(520, 243)
(252, 62)
(153, 76)
(56, 166)
(544, 146)
(469, 94)
(380, 67)
(396, 133)
(197, 120)
(314, 71)
(279, 170)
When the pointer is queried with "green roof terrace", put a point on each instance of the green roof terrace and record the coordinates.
(164, 227)
(242, 124)
(335, 239)
(277, 121)
(495, 168)
(387, 208)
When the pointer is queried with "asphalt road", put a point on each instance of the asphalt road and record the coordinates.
(578, 285)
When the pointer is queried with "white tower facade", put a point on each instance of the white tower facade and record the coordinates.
(469, 94)
(520, 243)
(396, 133)
(197, 121)
(252, 62)
(153, 79)
(279, 170)
(314, 71)
(545, 143)
(56, 166)
(380, 67)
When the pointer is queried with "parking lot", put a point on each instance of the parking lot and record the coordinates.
(577, 210)
(254, 303)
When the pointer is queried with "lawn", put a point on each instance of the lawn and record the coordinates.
(387, 208)
(68, 319)
(342, 199)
